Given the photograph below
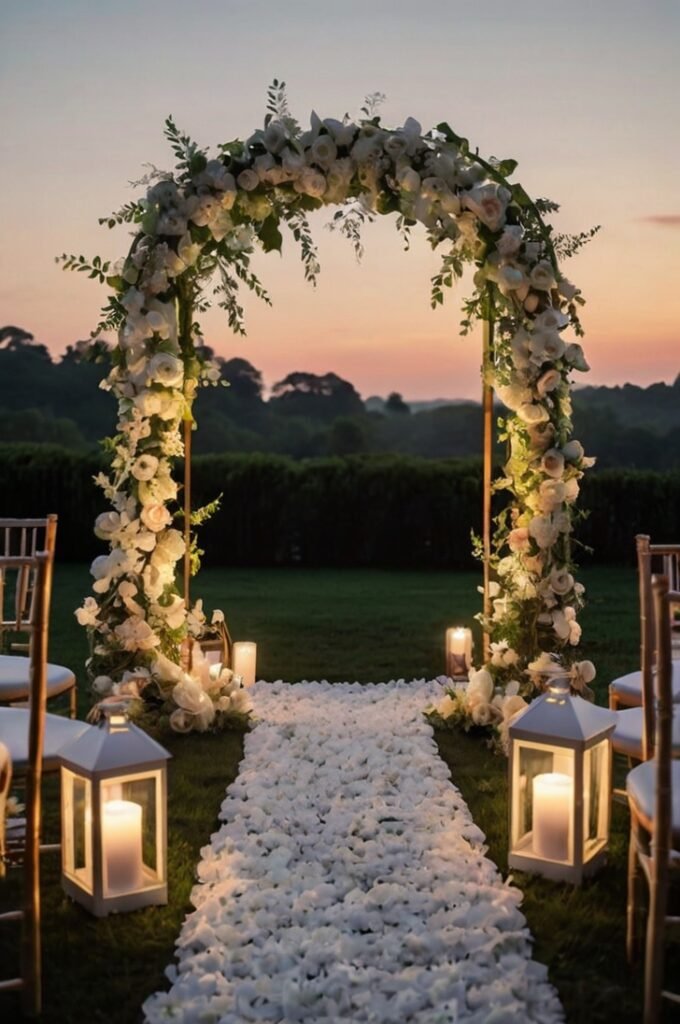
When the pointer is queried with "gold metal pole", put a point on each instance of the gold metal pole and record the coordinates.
(187, 510)
(487, 409)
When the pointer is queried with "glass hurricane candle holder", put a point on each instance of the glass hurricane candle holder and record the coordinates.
(114, 818)
(560, 785)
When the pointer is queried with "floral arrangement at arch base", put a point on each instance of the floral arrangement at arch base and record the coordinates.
(487, 706)
(194, 230)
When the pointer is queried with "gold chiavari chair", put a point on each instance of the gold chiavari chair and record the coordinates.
(40, 566)
(20, 538)
(653, 789)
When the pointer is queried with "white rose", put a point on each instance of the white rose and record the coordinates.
(511, 278)
(561, 581)
(155, 516)
(511, 239)
(520, 349)
(166, 369)
(552, 463)
(543, 531)
(519, 539)
(571, 490)
(293, 163)
(480, 685)
(187, 250)
(545, 346)
(488, 203)
(145, 467)
(551, 495)
(173, 613)
(323, 151)
(551, 319)
(275, 137)
(106, 525)
(136, 635)
(532, 413)
(541, 435)
(102, 685)
(132, 301)
(573, 354)
(248, 180)
(170, 546)
(573, 450)
(87, 613)
(408, 179)
(567, 290)
(560, 625)
(542, 276)
(148, 403)
(513, 394)
(311, 183)
(548, 382)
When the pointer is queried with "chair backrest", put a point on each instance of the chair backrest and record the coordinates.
(21, 538)
(40, 566)
(651, 558)
(647, 640)
(663, 745)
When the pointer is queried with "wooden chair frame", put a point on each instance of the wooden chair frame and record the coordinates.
(29, 983)
(651, 855)
(23, 538)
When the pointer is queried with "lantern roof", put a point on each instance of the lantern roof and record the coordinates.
(112, 745)
(564, 719)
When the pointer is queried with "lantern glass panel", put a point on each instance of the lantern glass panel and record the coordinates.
(130, 834)
(543, 795)
(77, 828)
(595, 790)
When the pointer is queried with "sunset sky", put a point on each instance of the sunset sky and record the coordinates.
(583, 94)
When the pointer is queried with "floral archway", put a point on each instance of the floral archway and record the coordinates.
(194, 232)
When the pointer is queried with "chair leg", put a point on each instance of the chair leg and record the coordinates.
(613, 701)
(73, 705)
(634, 897)
(654, 949)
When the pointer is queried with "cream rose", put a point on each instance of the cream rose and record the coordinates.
(519, 539)
(552, 463)
(542, 276)
(107, 524)
(551, 495)
(155, 516)
(543, 531)
(145, 467)
(561, 581)
(166, 369)
(548, 382)
(533, 413)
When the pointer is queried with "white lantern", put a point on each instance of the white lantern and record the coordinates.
(560, 785)
(114, 818)
(458, 652)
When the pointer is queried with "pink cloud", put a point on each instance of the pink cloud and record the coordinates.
(665, 220)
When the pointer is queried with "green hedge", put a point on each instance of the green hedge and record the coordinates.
(391, 511)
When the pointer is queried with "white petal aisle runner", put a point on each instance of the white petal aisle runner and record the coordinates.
(348, 881)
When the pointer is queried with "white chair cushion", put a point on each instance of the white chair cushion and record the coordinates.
(628, 689)
(641, 789)
(58, 732)
(627, 736)
(14, 678)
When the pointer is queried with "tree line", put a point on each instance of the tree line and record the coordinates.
(310, 415)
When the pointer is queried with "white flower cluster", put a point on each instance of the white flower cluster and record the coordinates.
(348, 881)
(196, 699)
(206, 220)
(480, 703)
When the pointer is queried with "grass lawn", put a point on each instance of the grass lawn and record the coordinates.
(365, 625)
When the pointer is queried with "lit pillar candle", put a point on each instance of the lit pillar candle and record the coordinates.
(244, 655)
(122, 845)
(553, 798)
(458, 651)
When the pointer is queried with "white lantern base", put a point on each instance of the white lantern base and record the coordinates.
(152, 895)
(557, 871)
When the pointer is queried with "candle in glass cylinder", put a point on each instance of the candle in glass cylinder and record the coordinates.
(244, 655)
(122, 845)
(553, 794)
(458, 651)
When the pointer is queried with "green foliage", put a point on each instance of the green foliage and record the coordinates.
(95, 268)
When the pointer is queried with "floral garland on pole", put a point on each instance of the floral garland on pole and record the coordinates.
(194, 232)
